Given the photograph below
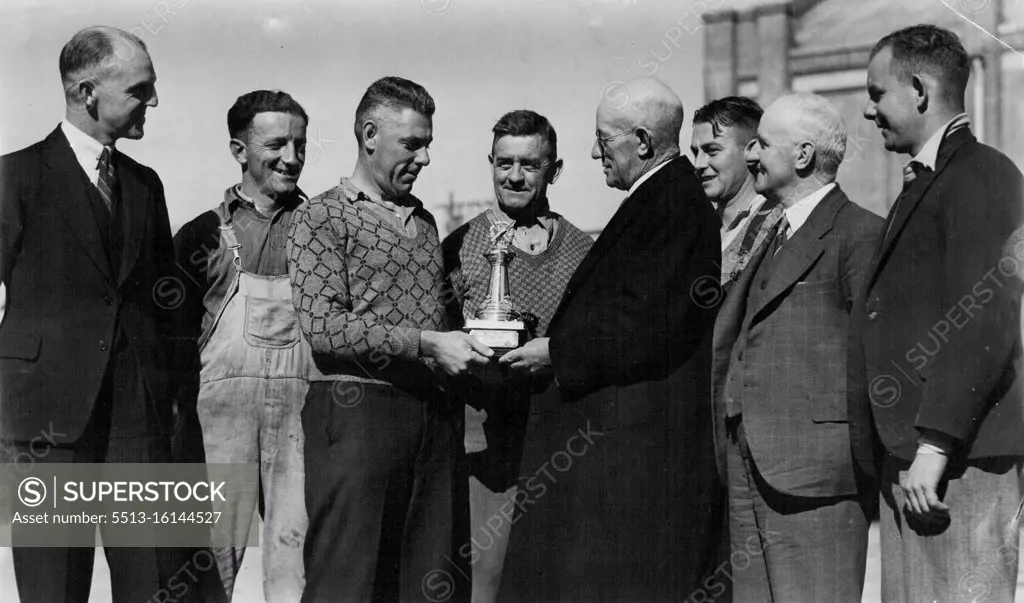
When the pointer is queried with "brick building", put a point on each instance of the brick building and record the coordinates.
(763, 48)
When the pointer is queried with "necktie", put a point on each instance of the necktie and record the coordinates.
(106, 183)
(910, 172)
(781, 235)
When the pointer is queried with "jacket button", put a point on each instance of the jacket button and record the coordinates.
(764, 284)
(740, 357)
(872, 315)
(108, 300)
(103, 345)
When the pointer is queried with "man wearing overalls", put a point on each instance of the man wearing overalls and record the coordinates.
(255, 363)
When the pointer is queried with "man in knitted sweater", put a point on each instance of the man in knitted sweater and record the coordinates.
(381, 442)
(546, 248)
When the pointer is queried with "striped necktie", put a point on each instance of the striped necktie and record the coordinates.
(910, 172)
(781, 235)
(107, 182)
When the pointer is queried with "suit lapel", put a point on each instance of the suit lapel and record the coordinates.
(65, 186)
(627, 214)
(802, 250)
(134, 207)
(917, 191)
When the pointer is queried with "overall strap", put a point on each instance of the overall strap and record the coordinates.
(227, 232)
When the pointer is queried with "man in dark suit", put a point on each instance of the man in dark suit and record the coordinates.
(936, 368)
(86, 254)
(796, 510)
(618, 495)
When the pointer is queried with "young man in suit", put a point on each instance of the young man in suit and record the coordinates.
(936, 373)
(619, 495)
(87, 259)
(795, 504)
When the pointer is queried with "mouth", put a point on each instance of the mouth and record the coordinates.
(285, 175)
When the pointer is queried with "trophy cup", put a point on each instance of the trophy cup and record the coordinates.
(498, 324)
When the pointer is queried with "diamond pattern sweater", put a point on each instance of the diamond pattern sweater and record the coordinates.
(364, 290)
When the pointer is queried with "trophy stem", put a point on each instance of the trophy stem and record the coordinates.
(498, 306)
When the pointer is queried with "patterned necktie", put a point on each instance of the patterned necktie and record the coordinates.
(781, 235)
(910, 172)
(106, 183)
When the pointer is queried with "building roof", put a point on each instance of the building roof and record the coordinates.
(840, 23)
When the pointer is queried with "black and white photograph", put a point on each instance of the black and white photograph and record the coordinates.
(478, 301)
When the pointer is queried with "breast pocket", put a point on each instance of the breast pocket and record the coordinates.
(270, 323)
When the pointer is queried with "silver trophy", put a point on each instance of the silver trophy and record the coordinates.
(498, 324)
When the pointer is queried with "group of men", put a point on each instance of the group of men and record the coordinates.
(647, 418)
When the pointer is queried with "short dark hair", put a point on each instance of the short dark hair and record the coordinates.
(739, 112)
(90, 49)
(524, 122)
(394, 93)
(250, 104)
(932, 50)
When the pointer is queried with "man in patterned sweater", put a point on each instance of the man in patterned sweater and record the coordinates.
(545, 250)
(366, 269)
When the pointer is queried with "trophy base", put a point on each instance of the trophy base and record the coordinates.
(500, 335)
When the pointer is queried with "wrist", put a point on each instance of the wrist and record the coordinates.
(428, 340)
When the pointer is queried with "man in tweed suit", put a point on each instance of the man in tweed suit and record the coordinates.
(795, 505)
(366, 269)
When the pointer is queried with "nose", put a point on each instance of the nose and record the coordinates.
(516, 173)
(750, 152)
(422, 157)
(700, 160)
(870, 111)
(289, 154)
(595, 151)
(154, 100)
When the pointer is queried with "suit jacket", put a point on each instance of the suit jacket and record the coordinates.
(936, 335)
(780, 350)
(635, 516)
(66, 302)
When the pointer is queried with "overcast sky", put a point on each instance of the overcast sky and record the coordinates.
(478, 58)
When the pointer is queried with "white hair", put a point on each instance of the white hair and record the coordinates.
(817, 121)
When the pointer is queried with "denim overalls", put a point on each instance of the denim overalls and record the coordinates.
(255, 371)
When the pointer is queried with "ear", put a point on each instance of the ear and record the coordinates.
(554, 171)
(804, 155)
(490, 159)
(86, 92)
(238, 148)
(923, 86)
(645, 146)
(370, 130)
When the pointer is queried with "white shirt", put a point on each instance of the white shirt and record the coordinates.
(798, 213)
(645, 177)
(929, 153)
(86, 148)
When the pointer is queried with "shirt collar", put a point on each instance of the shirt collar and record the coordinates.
(647, 176)
(81, 143)
(798, 213)
(929, 153)
(234, 196)
(354, 193)
(543, 216)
